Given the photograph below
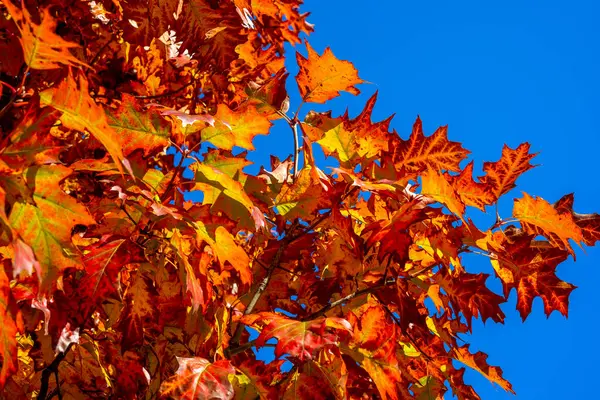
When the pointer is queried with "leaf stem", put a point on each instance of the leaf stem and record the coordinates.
(294, 126)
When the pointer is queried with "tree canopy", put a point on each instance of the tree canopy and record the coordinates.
(114, 284)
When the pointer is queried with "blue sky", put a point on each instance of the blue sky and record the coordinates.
(504, 73)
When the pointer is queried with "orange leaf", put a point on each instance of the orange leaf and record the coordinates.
(138, 307)
(236, 128)
(501, 175)
(472, 193)
(138, 128)
(588, 223)
(530, 267)
(437, 187)
(321, 78)
(355, 139)
(478, 362)
(46, 226)
(42, 47)
(469, 294)
(81, 112)
(420, 152)
(537, 216)
(297, 338)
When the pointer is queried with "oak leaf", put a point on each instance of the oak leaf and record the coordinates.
(501, 175)
(537, 216)
(530, 267)
(80, 112)
(236, 128)
(137, 128)
(323, 77)
(42, 47)
(478, 362)
(588, 223)
(198, 378)
(301, 339)
(46, 224)
(419, 152)
(354, 139)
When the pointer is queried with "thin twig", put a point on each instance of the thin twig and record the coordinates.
(260, 290)
(336, 303)
(12, 89)
(99, 53)
(294, 126)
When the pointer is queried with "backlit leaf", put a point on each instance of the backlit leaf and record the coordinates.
(80, 112)
(236, 128)
(478, 362)
(323, 77)
(198, 378)
(420, 152)
(42, 47)
(539, 217)
(501, 175)
(46, 226)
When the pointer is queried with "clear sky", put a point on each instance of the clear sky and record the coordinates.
(510, 72)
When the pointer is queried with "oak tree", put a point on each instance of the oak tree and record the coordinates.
(114, 284)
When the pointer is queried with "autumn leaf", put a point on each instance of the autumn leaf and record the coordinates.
(42, 47)
(297, 338)
(354, 139)
(469, 295)
(538, 217)
(197, 286)
(80, 112)
(472, 193)
(302, 197)
(137, 128)
(588, 223)
(226, 249)
(198, 378)
(437, 187)
(373, 348)
(478, 362)
(138, 307)
(46, 226)
(500, 176)
(239, 206)
(531, 269)
(236, 128)
(419, 152)
(123, 285)
(322, 78)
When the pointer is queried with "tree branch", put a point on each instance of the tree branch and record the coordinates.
(49, 371)
(336, 303)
